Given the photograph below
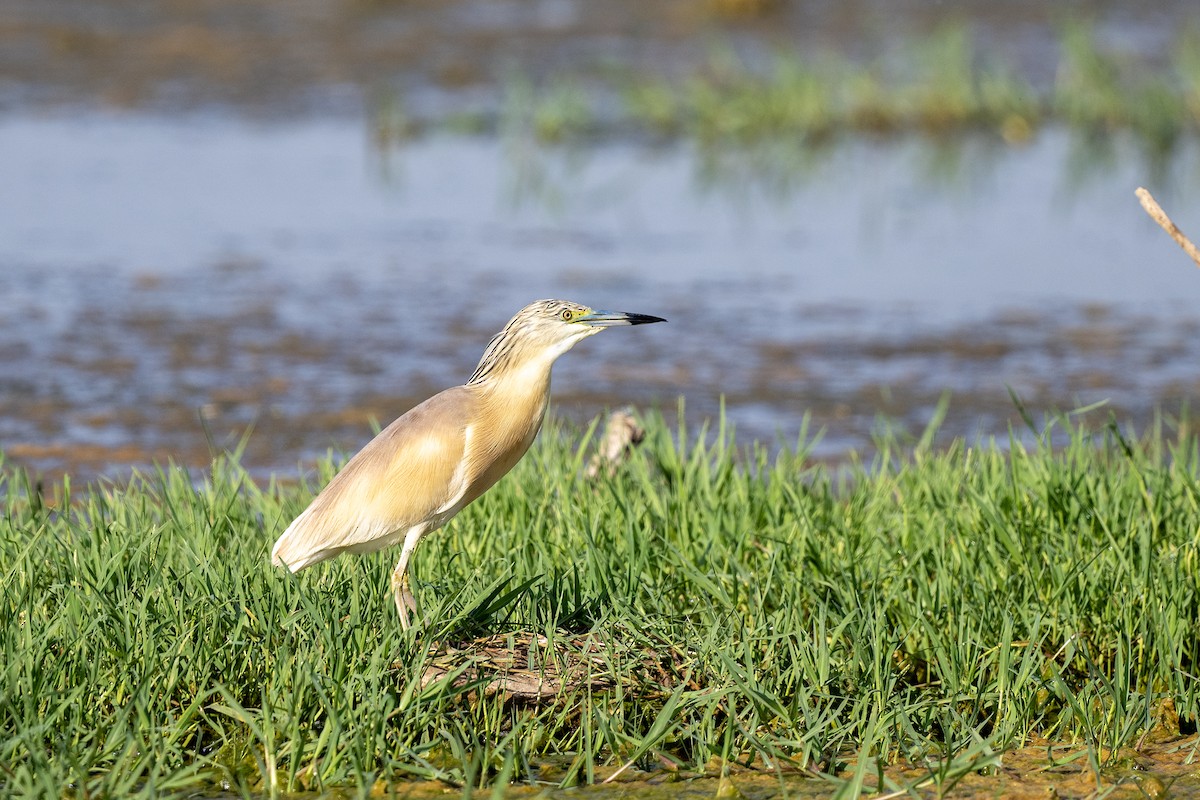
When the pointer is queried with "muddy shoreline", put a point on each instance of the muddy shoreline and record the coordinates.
(273, 58)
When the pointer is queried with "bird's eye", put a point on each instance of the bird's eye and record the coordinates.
(567, 314)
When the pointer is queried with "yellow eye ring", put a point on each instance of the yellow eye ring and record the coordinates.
(567, 314)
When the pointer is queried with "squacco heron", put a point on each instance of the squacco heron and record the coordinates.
(430, 463)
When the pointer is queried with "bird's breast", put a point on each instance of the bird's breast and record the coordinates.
(507, 425)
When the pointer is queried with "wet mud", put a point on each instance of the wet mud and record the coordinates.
(131, 385)
(1037, 772)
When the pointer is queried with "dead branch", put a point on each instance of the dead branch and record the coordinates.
(1158, 215)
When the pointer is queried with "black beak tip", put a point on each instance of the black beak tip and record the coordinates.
(643, 319)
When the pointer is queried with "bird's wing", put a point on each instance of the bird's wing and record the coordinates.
(411, 473)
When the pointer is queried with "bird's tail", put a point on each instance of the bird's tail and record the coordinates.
(292, 551)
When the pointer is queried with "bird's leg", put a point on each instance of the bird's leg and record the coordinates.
(405, 602)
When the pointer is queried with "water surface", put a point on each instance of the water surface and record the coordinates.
(170, 282)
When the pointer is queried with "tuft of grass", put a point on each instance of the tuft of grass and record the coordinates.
(747, 608)
(1186, 62)
(936, 86)
(944, 92)
(549, 113)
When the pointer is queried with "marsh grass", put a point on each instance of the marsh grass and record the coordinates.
(937, 85)
(930, 607)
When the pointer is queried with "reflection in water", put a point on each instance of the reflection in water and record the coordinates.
(777, 170)
(270, 275)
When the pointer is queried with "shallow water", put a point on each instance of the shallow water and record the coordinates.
(171, 281)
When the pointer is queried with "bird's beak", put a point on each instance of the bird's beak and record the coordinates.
(607, 319)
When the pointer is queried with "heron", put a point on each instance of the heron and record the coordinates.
(436, 458)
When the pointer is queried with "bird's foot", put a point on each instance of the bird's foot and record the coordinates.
(406, 605)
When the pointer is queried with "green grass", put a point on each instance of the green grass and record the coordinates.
(935, 607)
(939, 85)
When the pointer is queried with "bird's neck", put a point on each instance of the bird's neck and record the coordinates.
(512, 407)
(521, 392)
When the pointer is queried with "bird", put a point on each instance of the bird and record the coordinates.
(442, 454)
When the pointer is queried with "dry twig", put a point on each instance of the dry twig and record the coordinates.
(1158, 215)
(622, 433)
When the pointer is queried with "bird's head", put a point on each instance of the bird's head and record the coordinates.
(548, 328)
(551, 322)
